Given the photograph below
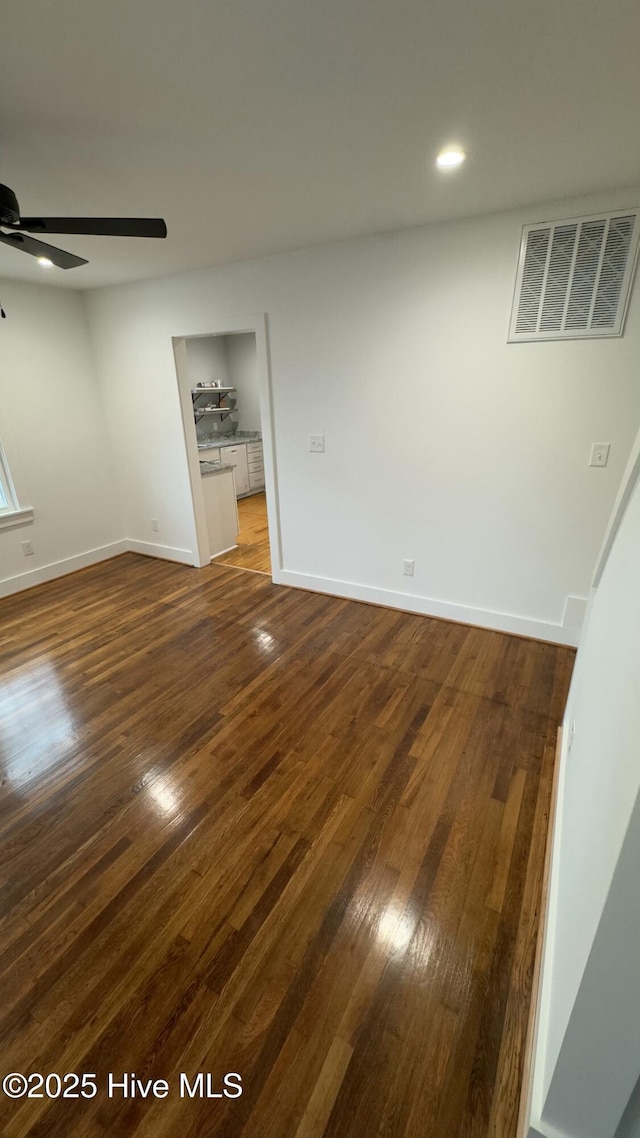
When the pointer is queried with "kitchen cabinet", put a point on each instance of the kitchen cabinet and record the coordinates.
(246, 459)
(255, 464)
(209, 454)
(221, 510)
(237, 456)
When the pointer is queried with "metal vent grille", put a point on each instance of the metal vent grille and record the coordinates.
(574, 277)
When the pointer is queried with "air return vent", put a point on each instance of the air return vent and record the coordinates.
(574, 277)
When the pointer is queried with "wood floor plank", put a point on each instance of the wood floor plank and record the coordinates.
(246, 828)
(252, 551)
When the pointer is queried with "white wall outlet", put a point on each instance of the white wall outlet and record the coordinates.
(316, 444)
(407, 567)
(27, 548)
(599, 454)
(154, 525)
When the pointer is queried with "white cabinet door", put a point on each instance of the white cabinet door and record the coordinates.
(237, 456)
(221, 511)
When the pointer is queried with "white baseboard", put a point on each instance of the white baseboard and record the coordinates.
(60, 568)
(538, 1073)
(221, 552)
(533, 1072)
(71, 564)
(544, 1129)
(574, 613)
(501, 622)
(164, 552)
(482, 618)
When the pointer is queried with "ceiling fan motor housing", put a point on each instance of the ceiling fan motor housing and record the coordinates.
(9, 208)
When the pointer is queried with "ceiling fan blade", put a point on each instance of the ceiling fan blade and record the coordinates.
(97, 226)
(58, 257)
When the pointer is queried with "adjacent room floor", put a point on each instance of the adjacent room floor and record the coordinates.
(255, 830)
(253, 545)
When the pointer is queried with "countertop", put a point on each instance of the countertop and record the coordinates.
(232, 440)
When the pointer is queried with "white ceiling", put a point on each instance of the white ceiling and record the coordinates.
(254, 126)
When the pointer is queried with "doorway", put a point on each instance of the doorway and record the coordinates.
(225, 398)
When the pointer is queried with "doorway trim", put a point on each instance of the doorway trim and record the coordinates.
(229, 326)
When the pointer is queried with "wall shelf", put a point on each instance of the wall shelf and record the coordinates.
(211, 390)
(212, 393)
(221, 411)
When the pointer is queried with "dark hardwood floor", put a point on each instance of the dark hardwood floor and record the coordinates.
(250, 829)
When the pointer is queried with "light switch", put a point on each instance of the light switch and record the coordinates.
(599, 454)
(316, 443)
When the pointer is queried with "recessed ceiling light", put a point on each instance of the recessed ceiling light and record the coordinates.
(45, 262)
(449, 159)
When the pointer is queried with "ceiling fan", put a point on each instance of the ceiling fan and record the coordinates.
(48, 254)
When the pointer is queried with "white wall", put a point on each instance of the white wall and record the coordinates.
(207, 360)
(232, 361)
(443, 443)
(599, 1060)
(630, 1124)
(243, 364)
(602, 774)
(53, 431)
(587, 1059)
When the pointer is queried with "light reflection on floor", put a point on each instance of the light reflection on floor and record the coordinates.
(264, 641)
(396, 928)
(37, 728)
(165, 797)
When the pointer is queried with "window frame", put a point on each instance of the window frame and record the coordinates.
(11, 514)
(6, 485)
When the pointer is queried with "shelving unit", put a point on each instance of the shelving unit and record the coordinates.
(212, 393)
